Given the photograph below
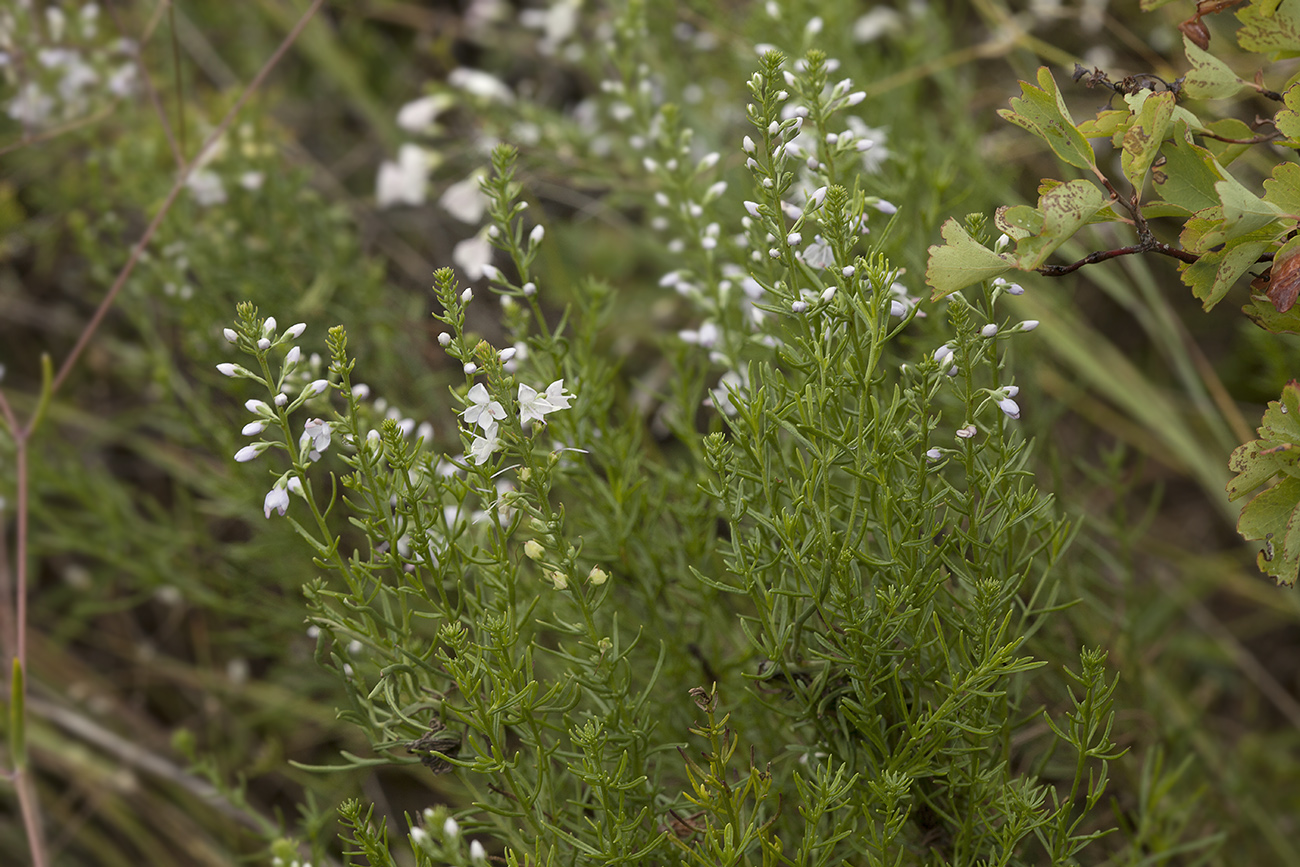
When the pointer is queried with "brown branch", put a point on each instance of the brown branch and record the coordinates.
(1102, 255)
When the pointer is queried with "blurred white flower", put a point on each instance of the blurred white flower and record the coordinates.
(880, 21)
(464, 200)
(471, 254)
(206, 187)
(481, 84)
(418, 116)
(405, 182)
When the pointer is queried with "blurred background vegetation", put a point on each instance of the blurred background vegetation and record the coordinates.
(171, 674)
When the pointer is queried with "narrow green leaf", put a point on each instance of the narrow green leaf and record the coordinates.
(1042, 111)
(961, 261)
(17, 718)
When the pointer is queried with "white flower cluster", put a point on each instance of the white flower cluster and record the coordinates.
(66, 72)
(485, 413)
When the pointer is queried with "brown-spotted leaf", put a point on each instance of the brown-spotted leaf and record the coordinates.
(1274, 515)
(1042, 111)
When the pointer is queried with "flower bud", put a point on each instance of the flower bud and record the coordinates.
(534, 549)
(597, 576)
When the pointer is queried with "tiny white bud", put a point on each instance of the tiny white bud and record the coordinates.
(856, 97)
(812, 164)
(230, 334)
(530, 289)
(268, 327)
(1029, 325)
(827, 294)
(650, 165)
(818, 196)
(788, 76)
(471, 369)
(419, 836)
(752, 207)
(597, 576)
(537, 234)
(450, 830)
(967, 432)
(798, 306)
(1010, 407)
(1001, 243)
(444, 339)
(468, 295)
(933, 454)
(773, 128)
(253, 428)
(281, 399)
(886, 207)
(227, 368)
(1012, 390)
(863, 145)
(507, 354)
(292, 357)
(897, 308)
(316, 387)
(493, 232)
(794, 239)
(492, 273)
(295, 331)
(710, 160)
(257, 406)
(477, 853)
(747, 144)
(989, 330)
(264, 343)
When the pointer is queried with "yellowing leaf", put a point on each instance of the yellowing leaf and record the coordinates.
(1143, 138)
(1042, 111)
(1064, 209)
(1209, 77)
(961, 261)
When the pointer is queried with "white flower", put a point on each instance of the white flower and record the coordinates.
(317, 433)
(484, 411)
(880, 21)
(483, 446)
(277, 500)
(477, 853)
(464, 200)
(472, 254)
(418, 116)
(206, 188)
(480, 83)
(533, 405)
(819, 254)
(405, 182)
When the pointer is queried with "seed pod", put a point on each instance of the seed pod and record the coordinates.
(435, 747)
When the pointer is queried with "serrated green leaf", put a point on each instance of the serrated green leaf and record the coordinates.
(961, 261)
(1042, 111)
(1211, 276)
(1274, 515)
(1187, 178)
(1064, 209)
(1107, 123)
(1288, 119)
(1282, 190)
(1018, 222)
(1144, 136)
(1243, 212)
(1265, 30)
(1262, 312)
(1209, 77)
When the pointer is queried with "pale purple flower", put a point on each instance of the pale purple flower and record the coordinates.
(967, 432)
(1010, 407)
(277, 500)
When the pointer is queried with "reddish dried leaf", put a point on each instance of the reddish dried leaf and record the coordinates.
(1195, 30)
(1284, 283)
